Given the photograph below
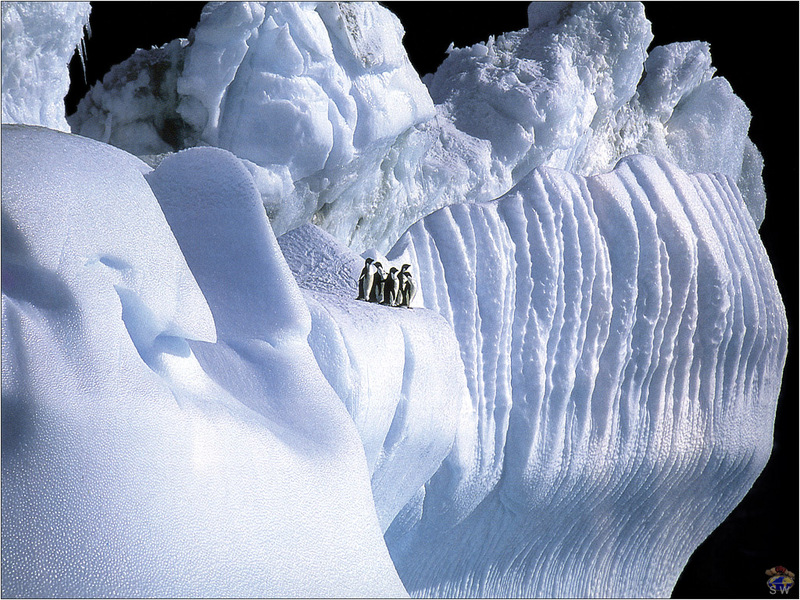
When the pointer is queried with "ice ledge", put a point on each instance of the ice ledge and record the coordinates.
(398, 371)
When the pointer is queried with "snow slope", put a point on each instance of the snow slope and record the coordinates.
(624, 340)
(398, 371)
(166, 432)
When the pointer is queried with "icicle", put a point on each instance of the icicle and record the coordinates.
(87, 33)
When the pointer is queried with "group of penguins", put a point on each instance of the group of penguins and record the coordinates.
(391, 289)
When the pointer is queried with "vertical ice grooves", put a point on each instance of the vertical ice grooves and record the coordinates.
(623, 340)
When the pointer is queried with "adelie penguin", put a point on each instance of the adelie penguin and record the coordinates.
(376, 293)
(390, 288)
(365, 280)
(407, 288)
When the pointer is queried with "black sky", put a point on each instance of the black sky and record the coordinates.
(755, 46)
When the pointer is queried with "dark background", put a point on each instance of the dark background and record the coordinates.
(755, 46)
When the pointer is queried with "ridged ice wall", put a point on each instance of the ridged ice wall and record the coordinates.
(623, 339)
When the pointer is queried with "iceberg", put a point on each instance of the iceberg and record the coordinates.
(194, 402)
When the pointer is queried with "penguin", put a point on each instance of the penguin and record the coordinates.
(401, 281)
(365, 280)
(407, 288)
(376, 293)
(390, 288)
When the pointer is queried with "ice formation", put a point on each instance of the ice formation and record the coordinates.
(38, 42)
(568, 92)
(194, 406)
(166, 432)
(147, 96)
(623, 340)
(297, 90)
(347, 128)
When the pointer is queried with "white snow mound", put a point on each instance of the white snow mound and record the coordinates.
(148, 448)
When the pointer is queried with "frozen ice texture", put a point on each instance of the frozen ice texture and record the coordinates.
(297, 90)
(166, 432)
(623, 339)
(542, 94)
(323, 107)
(140, 116)
(39, 40)
(299, 84)
(568, 92)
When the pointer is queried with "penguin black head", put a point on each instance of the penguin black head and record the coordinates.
(406, 267)
(393, 270)
(368, 260)
(377, 264)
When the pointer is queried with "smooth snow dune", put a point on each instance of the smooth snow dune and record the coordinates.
(166, 432)
(624, 340)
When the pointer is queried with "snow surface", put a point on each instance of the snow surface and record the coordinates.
(398, 371)
(623, 339)
(322, 105)
(39, 40)
(146, 451)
